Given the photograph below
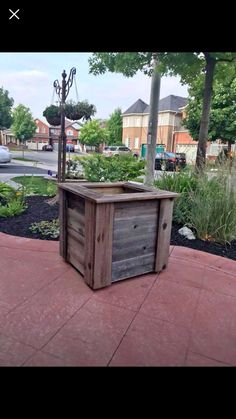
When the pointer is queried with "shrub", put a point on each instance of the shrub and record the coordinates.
(47, 228)
(207, 203)
(213, 210)
(6, 193)
(14, 207)
(183, 183)
(98, 168)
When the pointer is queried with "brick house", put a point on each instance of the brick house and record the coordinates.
(72, 133)
(170, 133)
(135, 122)
(41, 136)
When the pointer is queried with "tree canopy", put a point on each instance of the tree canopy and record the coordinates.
(6, 104)
(23, 125)
(92, 134)
(214, 65)
(222, 118)
(114, 127)
(128, 64)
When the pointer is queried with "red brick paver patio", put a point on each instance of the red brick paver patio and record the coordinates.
(186, 316)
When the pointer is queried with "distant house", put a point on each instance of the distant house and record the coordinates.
(72, 133)
(41, 136)
(7, 138)
(170, 132)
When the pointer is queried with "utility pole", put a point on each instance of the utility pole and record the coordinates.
(63, 92)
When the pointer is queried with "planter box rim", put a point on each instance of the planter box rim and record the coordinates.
(141, 192)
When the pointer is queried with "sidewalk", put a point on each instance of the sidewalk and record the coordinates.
(186, 316)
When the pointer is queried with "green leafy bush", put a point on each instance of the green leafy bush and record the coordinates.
(11, 201)
(14, 207)
(47, 228)
(6, 193)
(98, 168)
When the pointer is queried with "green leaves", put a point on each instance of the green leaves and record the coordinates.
(23, 125)
(114, 127)
(92, 134)
(222, 122)
(126, 63)
(49, 229)
(98, 168)
(6, 104)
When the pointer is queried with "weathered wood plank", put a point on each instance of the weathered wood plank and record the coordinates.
(126, 210)
(75, 221)
(133, 231)
(139, 196)
(163, 234)
(63, 222)
(133, 266)
(135, 223)
(75, 249)
(75, 262)
(141, 246)
(103, 245)
(108, 191)
(76, 216)
(84, 190)
(77, 236)
(76, 202)
(90, 210)
(128, 241)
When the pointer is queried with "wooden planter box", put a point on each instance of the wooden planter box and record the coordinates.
(113, 231)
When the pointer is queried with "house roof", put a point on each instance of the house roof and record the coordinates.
(68, 123)
(137, 107)
(43, 122)
(168, 103)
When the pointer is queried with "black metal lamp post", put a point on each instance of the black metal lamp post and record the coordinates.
(63, 92)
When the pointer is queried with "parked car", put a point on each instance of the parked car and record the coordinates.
(118, 150)
(70, 148)
(5, 155)
(47, 147)
(165, 161)
(180, 160)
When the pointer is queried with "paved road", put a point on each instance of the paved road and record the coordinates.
(20, 169)
(48, 157)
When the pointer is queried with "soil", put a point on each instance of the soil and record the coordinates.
(39, 210)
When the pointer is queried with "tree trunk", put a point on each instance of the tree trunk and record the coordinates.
(152, 124)
(229, 147)
(203, 132)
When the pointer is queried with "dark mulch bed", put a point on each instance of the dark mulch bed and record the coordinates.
(227, 251)
(39, 210)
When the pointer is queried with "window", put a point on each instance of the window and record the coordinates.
(43, 130)
(126, 122)
(127, 142)
(37, 129)
(137, 122)
(136, 142)
(70, 132)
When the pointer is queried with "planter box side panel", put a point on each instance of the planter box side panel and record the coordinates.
(134, 238)
(76, 231)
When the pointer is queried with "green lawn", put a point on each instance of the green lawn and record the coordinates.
(37, 185)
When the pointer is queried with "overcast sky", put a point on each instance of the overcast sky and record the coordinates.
(29, 79)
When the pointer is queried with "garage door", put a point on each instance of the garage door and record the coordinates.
(190, 150)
